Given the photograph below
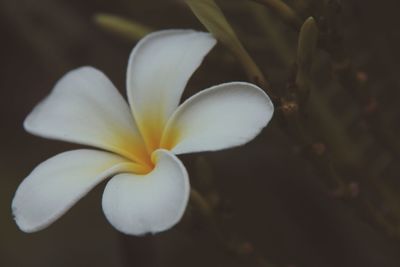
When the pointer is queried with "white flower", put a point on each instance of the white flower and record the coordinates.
(149, 190)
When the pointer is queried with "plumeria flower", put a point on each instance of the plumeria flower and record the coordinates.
(149, 188)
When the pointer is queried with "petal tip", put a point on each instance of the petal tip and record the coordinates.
(223, 116)
(22, 224)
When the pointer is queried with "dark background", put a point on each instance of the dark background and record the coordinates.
(276, 200)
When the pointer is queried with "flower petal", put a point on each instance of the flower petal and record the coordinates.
(59, 182)
(86, 108)
(159, 67)
(222, 116)
(139, 204)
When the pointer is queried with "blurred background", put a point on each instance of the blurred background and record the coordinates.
(271, 195)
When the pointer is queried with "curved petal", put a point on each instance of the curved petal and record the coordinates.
(86, 108)
(222, 116)
(59, 182)
(159, 67)
(139, 204)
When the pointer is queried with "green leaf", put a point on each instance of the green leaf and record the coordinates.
(211, 16)
(123, 27)
(305, 56)
(307, 44)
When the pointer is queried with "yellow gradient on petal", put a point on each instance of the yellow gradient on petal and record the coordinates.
(124, 167)
(170, 137)
(133, 149)
(153, 136)
(131, 152)
(137, 168)
(152, 126)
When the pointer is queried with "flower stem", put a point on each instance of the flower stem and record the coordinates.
(208, 214)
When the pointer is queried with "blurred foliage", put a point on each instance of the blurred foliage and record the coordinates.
(320, 187)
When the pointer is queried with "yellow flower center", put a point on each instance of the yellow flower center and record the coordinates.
(154, 137)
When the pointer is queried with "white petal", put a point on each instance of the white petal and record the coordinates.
(58, 183)
(159, 67)
(223, 116)
(139, 204)
(86, 108)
